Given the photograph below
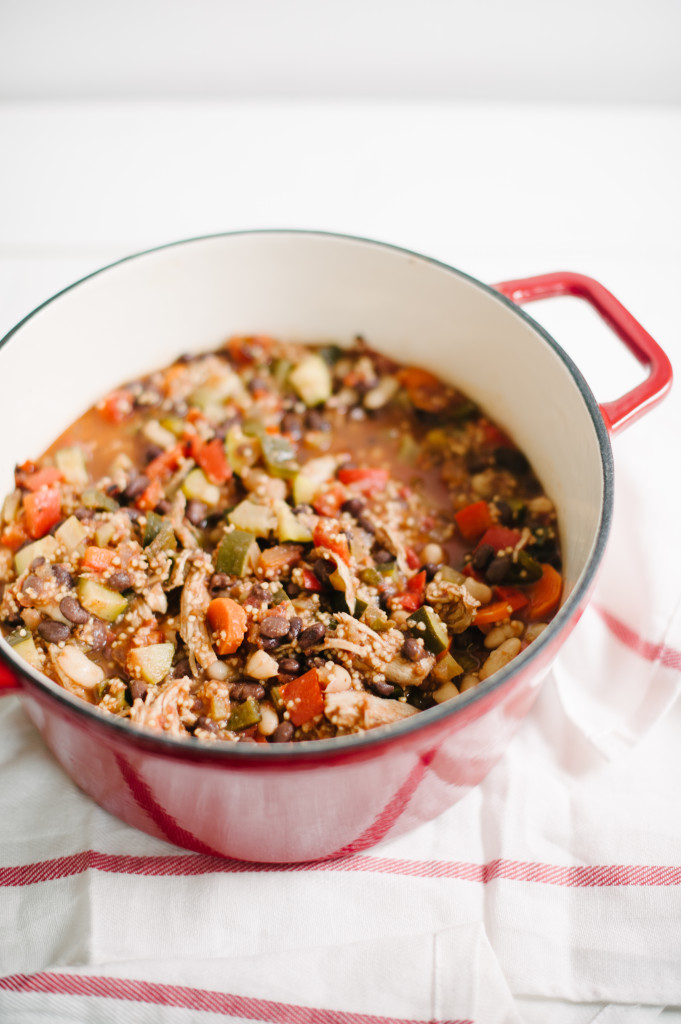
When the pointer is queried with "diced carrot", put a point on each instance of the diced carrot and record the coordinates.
(329, 501)
(43, 510)
(499, 537)
(544, 595)
(367, 480)
(212, 459)
(98, 559)
(116, 406)
(494, 612)
(328, 534)
(274, 560)
(426, 391)
(46, 477)
(303, 697)
(14, 535)
(150, 496)
(165, 463)
(311, 582)
(473, 520)
(228, 620)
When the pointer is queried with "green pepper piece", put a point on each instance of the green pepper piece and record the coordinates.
(426, 623)
(165, 539)
(371, 577)
(376, 619)
(244, 715)
(152, 527)
(279, 455)
(524, 570)
(360, 607)
(236, 552)
(276, 698)
(94, 498)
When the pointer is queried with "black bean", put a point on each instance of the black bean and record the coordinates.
(293, 590)
(242, 691)
(315, 421)
(268, 643)
(132, 513)
(274, 626)
(152, 451)
(294, 627)
(505, 512)
(386, 595)
(511, 459)
(289, 666)
(37, 562)
(73, 610)
(181, 669)
(312, 636)
(163, 507)
(382, 556)
(33, 583)
(207, 723)
(283, 733)
(137, 486)
(62, 575)
(219, 580)
(384, 689)
(120, 580)
(98, 635)
(323, 569)
(196, 512)
(476, 462)
(292, 424)
(53, 632)
(498, 569)
(256, 596)
(430, 568)
(138, 688)
(482, 556)
(84, 514)
(412, 650)
(366, 524)
(354, 506)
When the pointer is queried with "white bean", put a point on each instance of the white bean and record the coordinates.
(505, 631)
(500, 657)
(480, 591)
(269, 720)
(261, 665)
(468, 682)
(433, 553)
(217, 670)
(445, 692)
(534, 630)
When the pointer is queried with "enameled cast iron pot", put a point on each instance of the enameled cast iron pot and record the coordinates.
(301, 802)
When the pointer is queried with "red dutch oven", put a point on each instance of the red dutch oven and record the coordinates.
(322, 799)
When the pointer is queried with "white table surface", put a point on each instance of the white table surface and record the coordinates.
(497, 191)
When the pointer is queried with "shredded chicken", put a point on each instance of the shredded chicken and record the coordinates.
(354, 710)
(166, 708)
(193, 604)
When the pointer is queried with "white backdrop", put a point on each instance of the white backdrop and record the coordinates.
(526, 50)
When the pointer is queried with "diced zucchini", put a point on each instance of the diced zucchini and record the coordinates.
(428, 625)
(242, 451)
(451, 575)
(279, 455)
(289, 526)
(219, 706)
(175, 425)
(71, 533)
(256, 519)
(100, 600)
(71, 462)
(94, 498)
(305, 489)
(446, 668)
(104, 534)
(21, 640)
(197, 485)
(245, 715)
(376, 619)
(151, 663)
(158, 434)
(46, 547)
(311, 378)
(11, 506)
(237, 553)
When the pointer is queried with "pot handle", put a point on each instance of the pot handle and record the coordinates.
(621, 411)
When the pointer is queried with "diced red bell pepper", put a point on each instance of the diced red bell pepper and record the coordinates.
(329, 501)
(473, 520)
(514, 598)
(413, 560)
(499, 537)
(165, 463)
(210, 455)
(43, 510)
(367, 480)
(303, 697)
(14, 535)
(408, 602)
(150, 497)
(493, 435)
(311, 582)
(328, 534)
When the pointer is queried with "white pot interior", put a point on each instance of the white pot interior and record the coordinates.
(141, 313)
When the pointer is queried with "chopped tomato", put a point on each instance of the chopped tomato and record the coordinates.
(409, 602)
(14, 535)
(150, 497)
(473, 520)
(413, 560)
(252, 349)
(275, 559)
(116, 406)
(99, 559)
(43, 510)
(165, 463)
(499, 537)
(329, 501)
(311, 582)
(368, 480)
(303, 697)
(328, 534)
(46, 477)
(493, 435)
(210, 456)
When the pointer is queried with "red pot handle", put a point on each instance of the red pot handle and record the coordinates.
(8, 680)
(621, 411)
